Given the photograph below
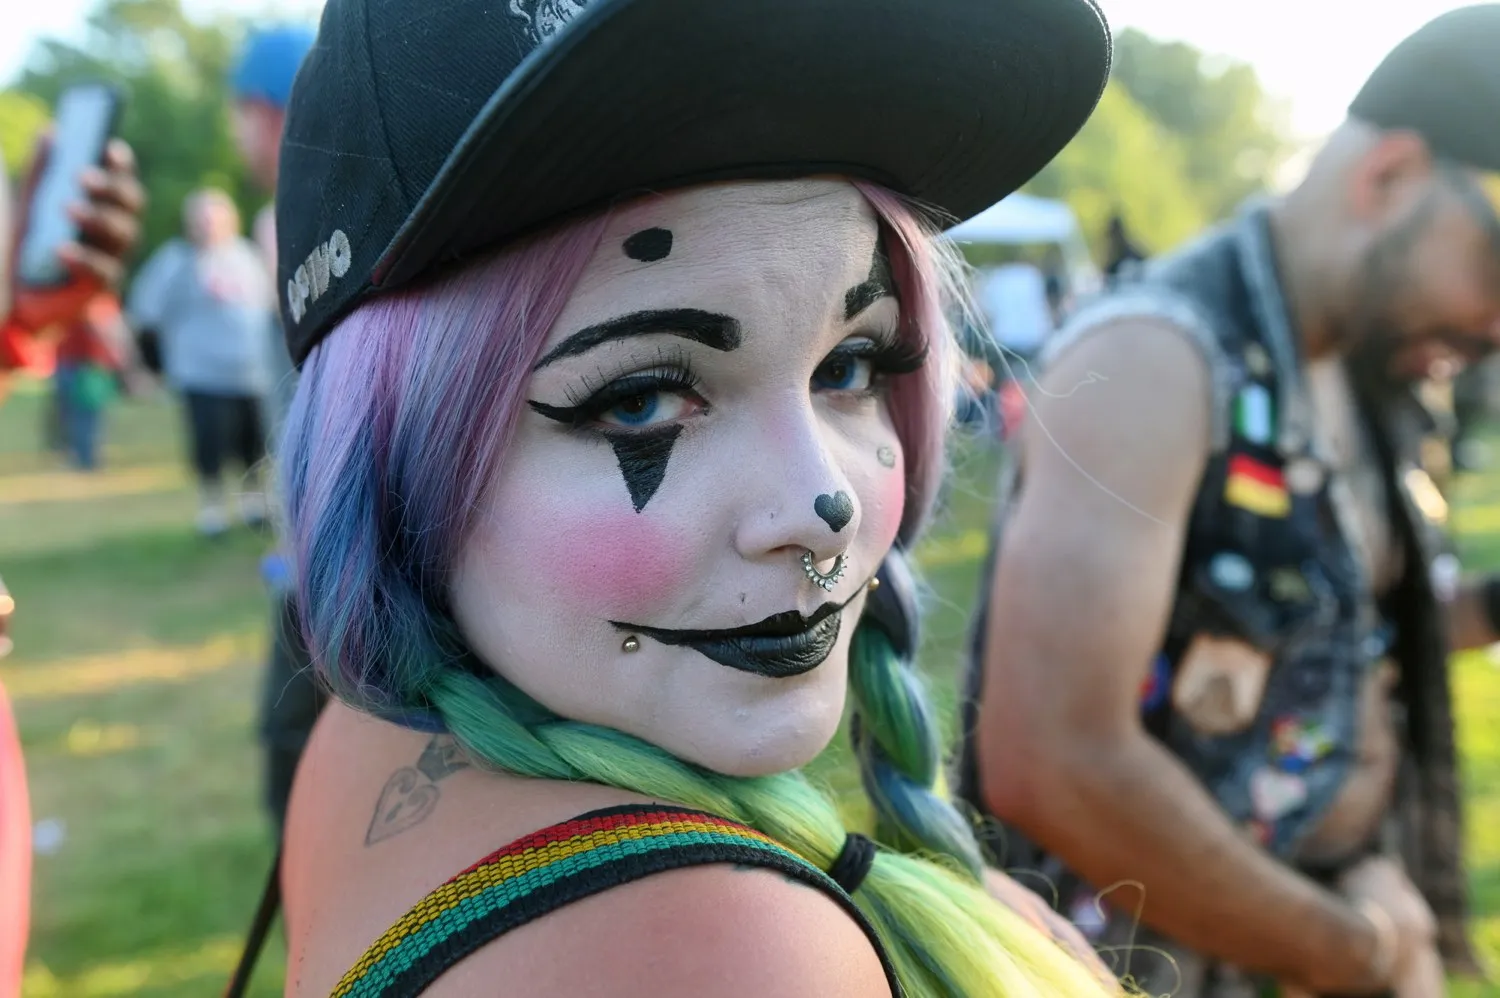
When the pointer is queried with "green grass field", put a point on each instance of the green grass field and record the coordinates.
(136, 676)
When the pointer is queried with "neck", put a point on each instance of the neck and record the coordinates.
(1299, 236)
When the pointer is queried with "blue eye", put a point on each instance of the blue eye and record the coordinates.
(636, 410)
(645, 408)
(844, 373)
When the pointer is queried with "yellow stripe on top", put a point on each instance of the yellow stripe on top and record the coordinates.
(511, 865)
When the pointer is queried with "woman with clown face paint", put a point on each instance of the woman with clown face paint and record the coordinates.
(625, 374)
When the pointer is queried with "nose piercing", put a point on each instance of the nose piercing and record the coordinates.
(819, 579)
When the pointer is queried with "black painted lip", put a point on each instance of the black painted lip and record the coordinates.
(779, 647)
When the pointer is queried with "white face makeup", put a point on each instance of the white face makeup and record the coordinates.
(707, 410)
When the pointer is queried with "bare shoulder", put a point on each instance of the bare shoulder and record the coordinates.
(1125, 410)
(721, 930)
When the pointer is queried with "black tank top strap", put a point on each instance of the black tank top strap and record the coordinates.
(555, 867)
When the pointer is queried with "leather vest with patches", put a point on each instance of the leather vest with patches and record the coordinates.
(1269, 568)
(1269, 578)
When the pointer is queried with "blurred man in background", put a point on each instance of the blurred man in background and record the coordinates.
(108, 225)
(1212, 660)
(262, 83)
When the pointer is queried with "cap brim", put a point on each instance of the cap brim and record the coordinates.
(953, 102)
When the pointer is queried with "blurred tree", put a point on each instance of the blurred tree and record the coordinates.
(1233, 136)
(22, 119)
(1124, 160)
(175, 73)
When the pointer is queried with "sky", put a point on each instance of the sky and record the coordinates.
(1312, 53)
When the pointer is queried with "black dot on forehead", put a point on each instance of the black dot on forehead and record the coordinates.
(649, 245)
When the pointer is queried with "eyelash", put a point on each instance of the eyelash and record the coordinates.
(672, 374)
(887, 355)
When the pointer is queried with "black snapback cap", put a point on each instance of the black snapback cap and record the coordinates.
(423, 132)
(1443, 82)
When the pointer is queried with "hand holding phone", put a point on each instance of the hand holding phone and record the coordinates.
(83, 216)
(85, 118)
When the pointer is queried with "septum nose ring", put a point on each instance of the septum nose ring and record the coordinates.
(823, 581)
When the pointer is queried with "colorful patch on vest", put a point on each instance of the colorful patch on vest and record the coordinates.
(1231, 572)
(1254, 414)
(1257, 487)
(1297, 744)
(1275, 794)
(1257, 361)
(1157, 685)
(1288, 585)
(1305, 476)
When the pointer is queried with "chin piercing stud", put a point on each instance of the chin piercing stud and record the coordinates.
(819, 579)
(631, 644)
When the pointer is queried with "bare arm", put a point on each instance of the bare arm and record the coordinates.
(1469, 620)
(1079, 607)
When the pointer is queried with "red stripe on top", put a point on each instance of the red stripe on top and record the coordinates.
(598, 823)
(1247, 467)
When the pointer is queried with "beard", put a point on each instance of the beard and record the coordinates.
(1389, 349)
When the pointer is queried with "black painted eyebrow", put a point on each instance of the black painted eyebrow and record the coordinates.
(880, 284)
(721, 332)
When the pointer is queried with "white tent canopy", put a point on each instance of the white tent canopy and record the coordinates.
(1026, 220)
(1020, 219)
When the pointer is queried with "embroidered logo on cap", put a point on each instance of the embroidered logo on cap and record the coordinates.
(544, 18)
(324, 264)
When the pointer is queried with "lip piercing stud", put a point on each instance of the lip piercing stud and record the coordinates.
(631, 644)
(817, 578)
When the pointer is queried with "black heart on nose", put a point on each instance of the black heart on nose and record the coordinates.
(835, 510)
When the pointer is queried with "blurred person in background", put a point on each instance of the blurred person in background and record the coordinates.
(203, 299)
(1212, 658)
(94, 361)
(109, 224)
(261, 83)
(1015, 302)
(1059, 287)
(1122, 252)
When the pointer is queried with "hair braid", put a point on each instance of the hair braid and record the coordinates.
(895, 737)
(944, 935)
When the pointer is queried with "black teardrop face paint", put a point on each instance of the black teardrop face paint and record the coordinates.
(835, 510)
(649, 245)
(643, 461)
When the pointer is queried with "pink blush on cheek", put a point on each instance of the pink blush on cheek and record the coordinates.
(622, 563)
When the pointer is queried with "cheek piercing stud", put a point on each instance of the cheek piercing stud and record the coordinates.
(817, 578)
(631, 644)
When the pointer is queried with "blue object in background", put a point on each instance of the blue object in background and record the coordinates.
(269, 62)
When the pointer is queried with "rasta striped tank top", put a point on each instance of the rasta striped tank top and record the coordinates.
(556, 866)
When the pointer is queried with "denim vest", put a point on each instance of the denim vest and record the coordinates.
(1269, 563)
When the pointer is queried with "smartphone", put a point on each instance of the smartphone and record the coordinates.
(84, 120)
